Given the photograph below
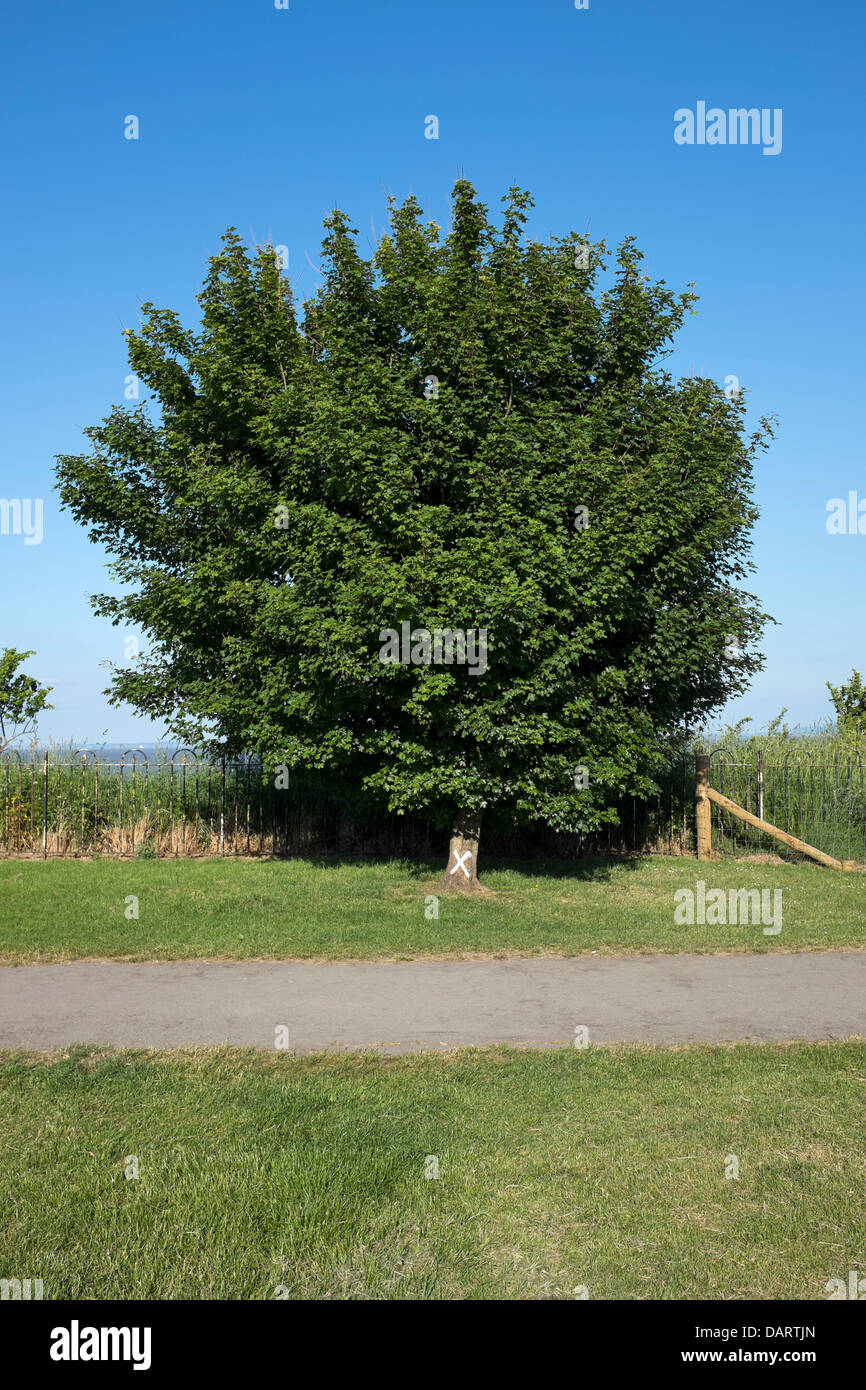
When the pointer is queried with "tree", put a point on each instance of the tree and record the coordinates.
(451, 530)
(21, 698)
(849, 702)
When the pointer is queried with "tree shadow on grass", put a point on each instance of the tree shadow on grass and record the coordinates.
(416, 868)
(587, 869)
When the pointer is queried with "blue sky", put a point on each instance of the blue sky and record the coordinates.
(266, 119)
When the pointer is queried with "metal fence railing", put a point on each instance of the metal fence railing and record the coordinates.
(191, 805)
(183, 805)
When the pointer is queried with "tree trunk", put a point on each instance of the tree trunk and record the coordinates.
(461, 871)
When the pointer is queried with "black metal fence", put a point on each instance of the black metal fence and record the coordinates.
(183, 805)
(189, 805)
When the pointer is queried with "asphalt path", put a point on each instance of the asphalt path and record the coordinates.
(435, 1005)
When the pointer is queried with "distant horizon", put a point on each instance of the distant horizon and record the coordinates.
(74, 747)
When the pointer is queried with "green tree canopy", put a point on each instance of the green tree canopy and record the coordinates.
(22, 698)
(467, 433)
(849, 702)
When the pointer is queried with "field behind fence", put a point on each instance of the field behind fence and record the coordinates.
(155, 806)
(817, 795)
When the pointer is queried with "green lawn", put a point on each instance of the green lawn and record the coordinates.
(603, 1169)
(307, 909)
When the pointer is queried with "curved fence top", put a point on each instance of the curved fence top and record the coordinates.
(194, 757)
(724, 753)
(136, 754)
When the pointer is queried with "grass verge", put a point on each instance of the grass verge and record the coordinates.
(343, 910)
(263, 1176)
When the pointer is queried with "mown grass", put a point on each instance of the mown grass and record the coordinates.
(603, 1169)
(302, 909)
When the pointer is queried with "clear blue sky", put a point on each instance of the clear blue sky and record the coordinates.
(265, 119)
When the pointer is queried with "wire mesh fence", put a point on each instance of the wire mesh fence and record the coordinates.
(819, 798)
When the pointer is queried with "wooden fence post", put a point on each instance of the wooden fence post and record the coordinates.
(703, 811)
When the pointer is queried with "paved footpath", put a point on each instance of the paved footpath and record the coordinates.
(421, 1005)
